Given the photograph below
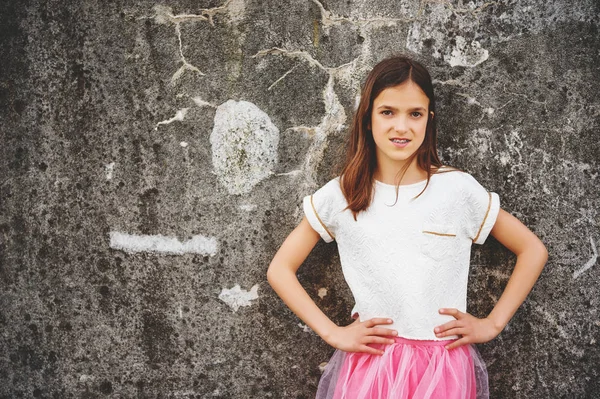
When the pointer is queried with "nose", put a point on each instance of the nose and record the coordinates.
(401, 125)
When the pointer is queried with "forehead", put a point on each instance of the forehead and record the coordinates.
(406, 95)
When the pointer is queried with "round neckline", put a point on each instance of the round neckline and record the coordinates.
(417, 184)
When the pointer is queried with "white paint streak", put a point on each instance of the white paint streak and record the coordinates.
(550, 319)
(198, 244)
(108, 169)
(179, 116)
(590, 262)
(237, 297)
(183, 144)
(304, 327)
(244, 145)
(201, 103)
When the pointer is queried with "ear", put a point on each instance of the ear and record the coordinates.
(432, 114)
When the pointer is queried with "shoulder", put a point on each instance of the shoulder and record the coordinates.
(455, 176)
(331, 188)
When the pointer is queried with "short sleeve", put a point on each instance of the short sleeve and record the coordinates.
(481, 210)
(321, 209)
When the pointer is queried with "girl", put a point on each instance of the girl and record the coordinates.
(404, 225)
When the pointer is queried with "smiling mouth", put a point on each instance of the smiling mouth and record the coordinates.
(400, 141)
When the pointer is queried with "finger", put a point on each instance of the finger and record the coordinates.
(372, 351)
(453, 331)
(382, 331)
(378, 320)
(457, 343)
(451, 311)
(447, 326)
(377, 340)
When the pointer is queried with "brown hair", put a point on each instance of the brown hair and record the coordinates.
(357, 172)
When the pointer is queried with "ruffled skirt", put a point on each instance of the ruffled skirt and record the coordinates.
(408, 369)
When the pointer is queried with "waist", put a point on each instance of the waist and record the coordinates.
(423, 342)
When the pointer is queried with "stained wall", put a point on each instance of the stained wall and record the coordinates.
(154, 156)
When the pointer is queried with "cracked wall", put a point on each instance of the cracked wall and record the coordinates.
(154, 156)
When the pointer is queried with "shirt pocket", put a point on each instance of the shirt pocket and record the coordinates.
(438, 241)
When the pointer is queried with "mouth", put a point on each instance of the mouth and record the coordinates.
(399, 140)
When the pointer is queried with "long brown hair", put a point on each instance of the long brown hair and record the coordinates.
(361, 162)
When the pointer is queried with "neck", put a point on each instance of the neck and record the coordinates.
(390, 174)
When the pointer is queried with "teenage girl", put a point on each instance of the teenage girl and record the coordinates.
(404, 224)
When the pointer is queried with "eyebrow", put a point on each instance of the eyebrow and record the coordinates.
(396, 109)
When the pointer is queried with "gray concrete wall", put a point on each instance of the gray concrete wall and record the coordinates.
(154, 156)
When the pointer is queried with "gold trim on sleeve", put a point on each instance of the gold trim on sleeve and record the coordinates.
(319, 219)
(485, 217)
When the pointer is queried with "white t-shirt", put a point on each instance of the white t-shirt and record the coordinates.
(408, 258)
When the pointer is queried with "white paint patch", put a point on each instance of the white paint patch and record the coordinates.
(590, 262)
(244, 145)
(237, 297)
(304, 327)
(322, 292)
(322, 366)
(131, 243)
(247, 207)
(466, 54)
(183, 144)
(179, 116)
(108, 169)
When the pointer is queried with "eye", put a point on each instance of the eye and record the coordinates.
(386, 112)
(416, 114)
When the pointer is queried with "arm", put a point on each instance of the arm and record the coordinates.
(531, 258)
(282, 277)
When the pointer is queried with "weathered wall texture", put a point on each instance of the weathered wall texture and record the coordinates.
(154, 156)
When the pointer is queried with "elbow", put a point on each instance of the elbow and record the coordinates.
(273, 274)
(270, 274)
(542, 253)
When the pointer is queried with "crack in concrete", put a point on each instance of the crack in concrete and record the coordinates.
(335, 116)
(329, 19)
(544, 103)
(590, 262)
(164, 14)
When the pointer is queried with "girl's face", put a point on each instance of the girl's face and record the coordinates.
(398, 122)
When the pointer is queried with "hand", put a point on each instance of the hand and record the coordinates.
(355, 337)
(471, 329)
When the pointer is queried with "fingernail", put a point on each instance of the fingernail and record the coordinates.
(395, 332)
(390, 321)
(437, 330)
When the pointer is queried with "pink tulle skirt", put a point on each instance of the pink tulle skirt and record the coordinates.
(408, 369)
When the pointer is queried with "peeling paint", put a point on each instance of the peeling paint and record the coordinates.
(132, 243)
(237, 297)
(244, 146)
(304, 327)
(183, 144)
(322, 292)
